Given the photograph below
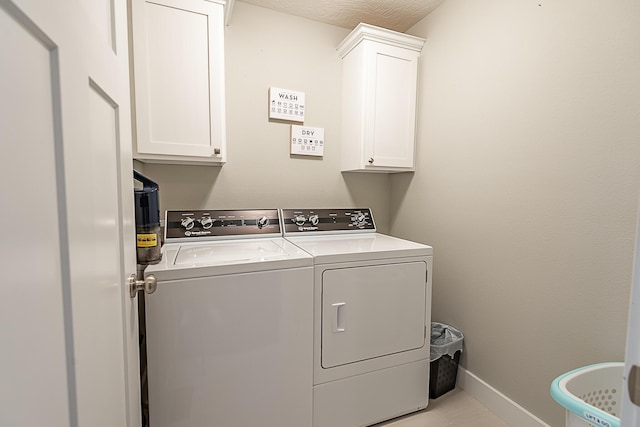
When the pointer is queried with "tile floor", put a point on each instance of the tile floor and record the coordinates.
(454, 409)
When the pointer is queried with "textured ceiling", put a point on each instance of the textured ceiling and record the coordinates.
(398, 15)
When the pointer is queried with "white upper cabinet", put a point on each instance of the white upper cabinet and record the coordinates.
(178, 63)
(379, 79)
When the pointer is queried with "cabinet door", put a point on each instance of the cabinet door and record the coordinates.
(390, 106)
(179, 79)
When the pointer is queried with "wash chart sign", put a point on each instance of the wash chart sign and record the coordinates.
(307, 141)
(286, 104)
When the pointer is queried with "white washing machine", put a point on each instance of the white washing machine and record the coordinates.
(372, 317)
(230, 327)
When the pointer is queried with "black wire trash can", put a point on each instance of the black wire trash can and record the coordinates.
(446, 347)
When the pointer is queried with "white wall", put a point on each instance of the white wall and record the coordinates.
(526, 184)
(266, 48)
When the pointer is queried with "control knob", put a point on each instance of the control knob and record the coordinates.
(299, 220)
(262, 222)
(187, 223)
(359, 219)
(314, 219)
(207, 222)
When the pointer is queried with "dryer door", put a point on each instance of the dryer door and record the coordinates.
(372, 311)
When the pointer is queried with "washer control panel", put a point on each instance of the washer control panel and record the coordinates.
(201, 224)
(297, 221)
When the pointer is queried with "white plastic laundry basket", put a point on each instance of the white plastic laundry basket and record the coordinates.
(591, 395)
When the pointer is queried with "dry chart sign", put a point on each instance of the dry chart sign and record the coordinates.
(307, 141)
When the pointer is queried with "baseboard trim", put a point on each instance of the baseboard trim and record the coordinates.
(512, 413)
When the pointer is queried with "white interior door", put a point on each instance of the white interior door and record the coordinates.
(68, 330)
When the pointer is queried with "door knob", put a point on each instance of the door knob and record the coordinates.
(633, 385)
(148, 285)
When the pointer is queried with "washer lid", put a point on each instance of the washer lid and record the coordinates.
(214, 258)
(230, 252)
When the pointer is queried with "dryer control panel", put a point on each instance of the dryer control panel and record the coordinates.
(297, 221)
(210, 224)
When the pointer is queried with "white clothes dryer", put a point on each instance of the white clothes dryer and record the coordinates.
(230, 328)
(372, 316)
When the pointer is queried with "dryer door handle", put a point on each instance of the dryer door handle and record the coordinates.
(339, 324)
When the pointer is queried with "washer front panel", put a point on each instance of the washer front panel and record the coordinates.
(232, 350)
